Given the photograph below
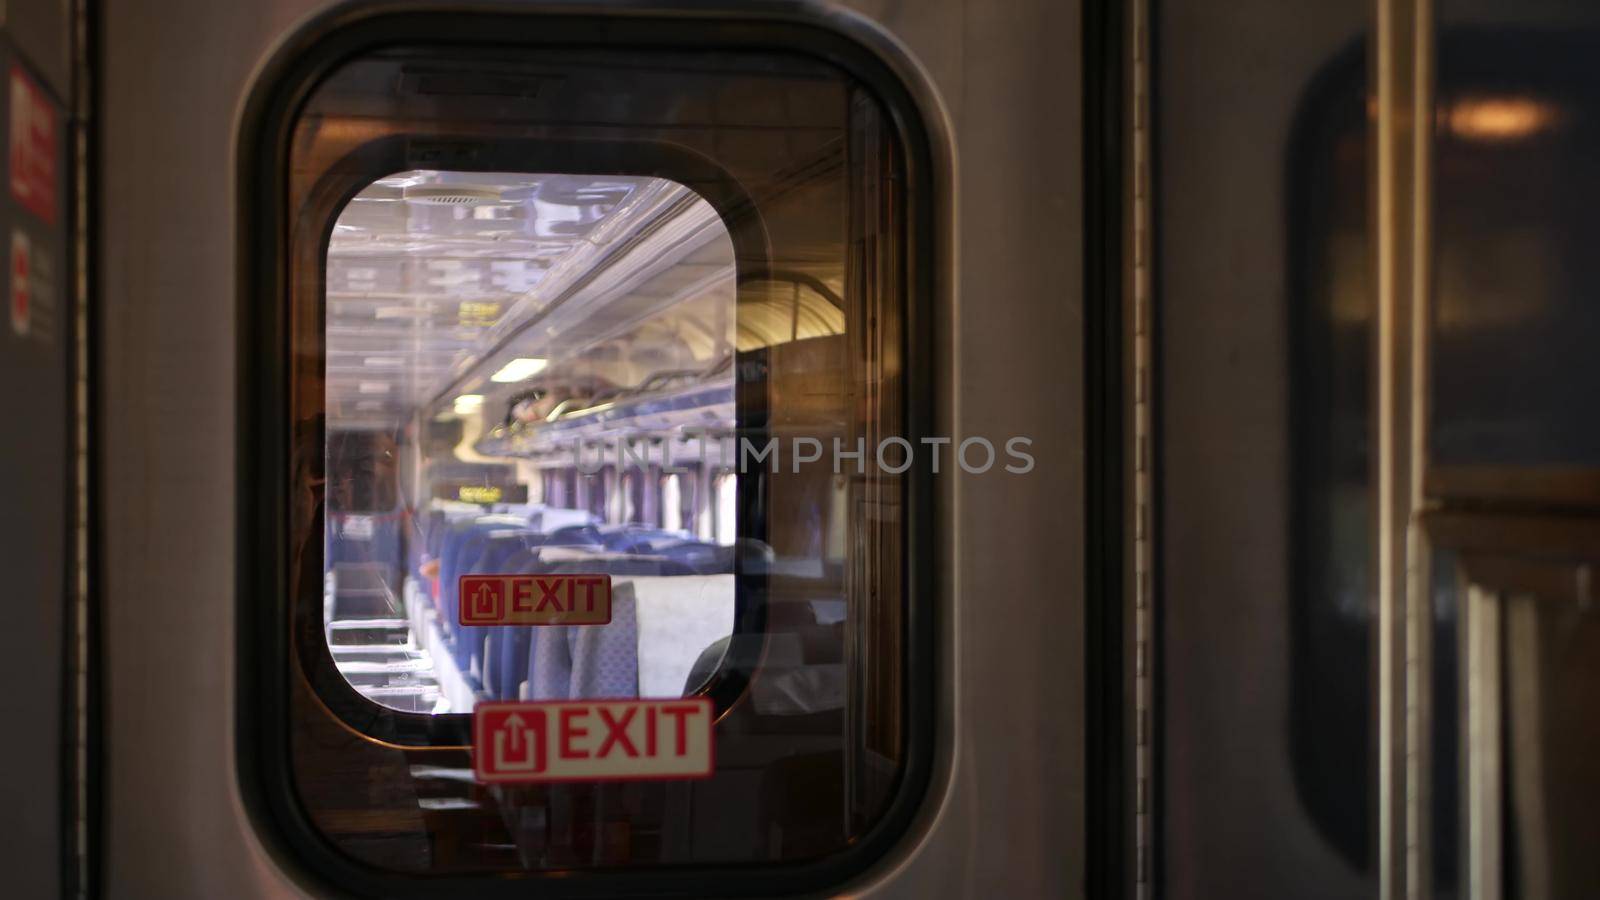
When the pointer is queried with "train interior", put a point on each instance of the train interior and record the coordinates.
(533, 373)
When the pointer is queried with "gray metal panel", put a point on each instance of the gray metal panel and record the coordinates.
(43, 29)
(1234, 826)
(1011, 822)
(1004, 817)
(35, 465)
(173, 80)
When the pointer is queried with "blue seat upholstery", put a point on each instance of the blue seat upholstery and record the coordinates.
(462, 546)
(594, 660)
(633, 539)
(573, 535)
(430, 532)
(451, 548)
(507, 648)
(702, 557)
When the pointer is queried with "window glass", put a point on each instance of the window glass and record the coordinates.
(543, 306)
(1516, 122)
(450, 306)
(362, 471)
(1516, 128)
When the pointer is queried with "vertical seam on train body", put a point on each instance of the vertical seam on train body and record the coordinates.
(1403, 93)
(1143, 454)
(1419, 599)
(81, 90)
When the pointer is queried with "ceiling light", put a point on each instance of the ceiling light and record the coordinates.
(519, 369)
(402, 312)
(468, 403)
(1499, 118)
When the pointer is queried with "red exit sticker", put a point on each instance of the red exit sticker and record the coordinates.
(593, 740)
(32, 157)
(534, 600)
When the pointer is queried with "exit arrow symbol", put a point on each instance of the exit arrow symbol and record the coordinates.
(514, 722)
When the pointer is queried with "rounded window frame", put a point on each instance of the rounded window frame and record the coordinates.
(264, 646)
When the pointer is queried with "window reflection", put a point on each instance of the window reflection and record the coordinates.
(1517, 127)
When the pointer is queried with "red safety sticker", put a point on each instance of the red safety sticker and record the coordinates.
(33, 147)
(593, 740)
(534, 600)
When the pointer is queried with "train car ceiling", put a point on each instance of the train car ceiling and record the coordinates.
(465, 294)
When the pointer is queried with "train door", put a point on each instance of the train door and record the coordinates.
(1375, 496)
(892, 502)
(1288, 304)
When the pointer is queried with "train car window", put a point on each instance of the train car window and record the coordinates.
(1517, 124)
(449, 300)
(572, 298)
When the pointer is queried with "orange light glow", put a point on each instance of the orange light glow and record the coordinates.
(1499, 118)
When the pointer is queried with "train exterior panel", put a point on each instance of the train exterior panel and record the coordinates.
(963, 448)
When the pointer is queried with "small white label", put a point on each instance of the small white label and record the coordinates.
(21, 284)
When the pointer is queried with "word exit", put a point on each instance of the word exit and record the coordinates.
(593, 740)
(535, 599)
